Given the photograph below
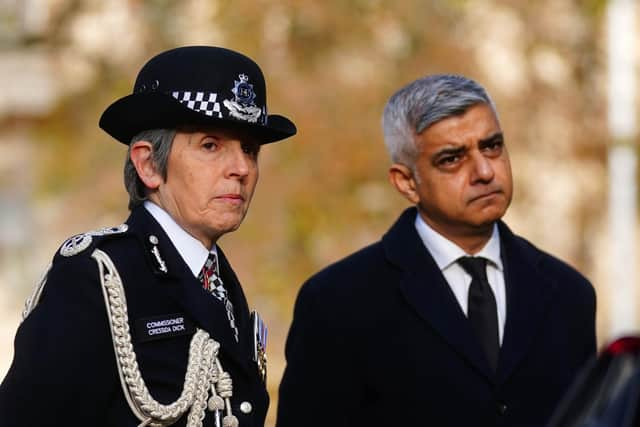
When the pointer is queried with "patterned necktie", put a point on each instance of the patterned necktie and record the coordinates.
(482, 311)
(211, 282)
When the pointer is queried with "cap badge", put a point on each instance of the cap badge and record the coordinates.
(243, 106)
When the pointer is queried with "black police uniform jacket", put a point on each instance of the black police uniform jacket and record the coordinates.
(64, 369)
(378, 339)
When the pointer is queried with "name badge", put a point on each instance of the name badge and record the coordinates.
(164, 326)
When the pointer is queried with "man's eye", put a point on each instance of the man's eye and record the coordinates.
(448, 160)
(493, 149)
(494, 146)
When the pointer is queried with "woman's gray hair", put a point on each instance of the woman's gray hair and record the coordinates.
(161, 141)
(422, 103)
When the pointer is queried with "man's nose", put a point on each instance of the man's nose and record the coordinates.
(482, 167)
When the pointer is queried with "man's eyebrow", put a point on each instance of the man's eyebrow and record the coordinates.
(498, 136)
(449, 151)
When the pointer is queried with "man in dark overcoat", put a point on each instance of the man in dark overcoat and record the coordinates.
(450, 319)
(146, 323)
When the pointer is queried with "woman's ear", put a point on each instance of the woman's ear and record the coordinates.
(401, 177)
(140, 153)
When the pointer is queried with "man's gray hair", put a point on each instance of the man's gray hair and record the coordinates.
(161, 141)
(422, 103)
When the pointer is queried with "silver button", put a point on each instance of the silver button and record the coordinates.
(153, 239)
(245, 407)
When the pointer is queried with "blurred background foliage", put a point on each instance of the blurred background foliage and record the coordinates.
(330, 65)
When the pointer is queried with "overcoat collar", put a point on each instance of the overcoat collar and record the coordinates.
(177, 280)
(427, 292)
(529, 296)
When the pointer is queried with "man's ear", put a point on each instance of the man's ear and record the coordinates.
(401, 177)
(141, 158)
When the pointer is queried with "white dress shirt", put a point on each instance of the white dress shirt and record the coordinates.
(192, 251)
(446, 253)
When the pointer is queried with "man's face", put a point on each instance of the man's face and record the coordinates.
(211, 176)
(462, 181)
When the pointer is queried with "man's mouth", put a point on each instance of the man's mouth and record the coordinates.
(487, 195)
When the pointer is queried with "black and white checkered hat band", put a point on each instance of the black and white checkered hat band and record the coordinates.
(202, 102)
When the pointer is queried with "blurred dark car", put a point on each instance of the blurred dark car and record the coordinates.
(607, 392)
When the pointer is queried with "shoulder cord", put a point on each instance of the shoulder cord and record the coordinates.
(32, 301)
(204, 371)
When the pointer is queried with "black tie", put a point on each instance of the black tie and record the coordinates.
(482, 311)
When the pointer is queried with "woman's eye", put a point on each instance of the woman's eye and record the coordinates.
(209, 145)
(251, 149)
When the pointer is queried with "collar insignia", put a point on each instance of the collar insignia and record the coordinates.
(159, 263)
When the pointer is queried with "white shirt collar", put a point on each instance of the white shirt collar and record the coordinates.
(192, 251)
(445, 252)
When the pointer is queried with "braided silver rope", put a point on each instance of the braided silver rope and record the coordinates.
(34, 298)
(202, 368)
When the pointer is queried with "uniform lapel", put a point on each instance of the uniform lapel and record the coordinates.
(427, 292)
(180, 284)
(528, 296)
(240, 306)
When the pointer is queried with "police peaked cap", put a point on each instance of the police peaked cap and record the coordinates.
(201, 86)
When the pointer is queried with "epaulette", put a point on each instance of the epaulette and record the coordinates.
(72, 246)
(78, 243)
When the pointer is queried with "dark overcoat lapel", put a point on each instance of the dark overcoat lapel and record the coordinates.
(427, 292)
(528, 296)
(180, 284)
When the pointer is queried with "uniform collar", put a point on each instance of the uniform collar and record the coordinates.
(445, 252)
(192, 251)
